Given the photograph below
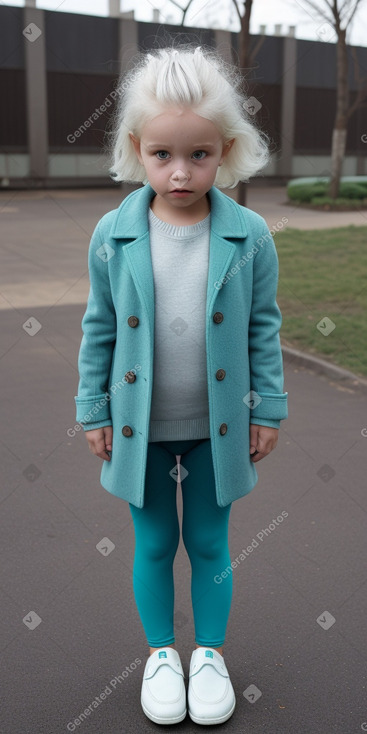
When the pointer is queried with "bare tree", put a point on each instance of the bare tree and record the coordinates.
(339, 14)
(246, 59)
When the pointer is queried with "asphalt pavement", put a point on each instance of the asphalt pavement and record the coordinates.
(72, 647)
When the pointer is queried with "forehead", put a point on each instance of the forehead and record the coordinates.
(177, 124)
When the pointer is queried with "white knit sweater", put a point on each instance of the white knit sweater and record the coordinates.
(180, 260)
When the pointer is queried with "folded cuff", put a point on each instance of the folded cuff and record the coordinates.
(92, 409)
(269, 406)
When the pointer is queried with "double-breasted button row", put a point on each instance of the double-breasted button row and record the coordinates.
(130, 376)
(220, 374)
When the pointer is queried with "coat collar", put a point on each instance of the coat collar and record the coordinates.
(131, 220)
(131, 223)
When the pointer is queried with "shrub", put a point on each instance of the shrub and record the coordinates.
(301, 190)
(306, 192)
(348, 190)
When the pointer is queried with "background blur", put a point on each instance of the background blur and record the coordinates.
(59, 69)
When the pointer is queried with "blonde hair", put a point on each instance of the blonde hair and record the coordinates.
(196, 79)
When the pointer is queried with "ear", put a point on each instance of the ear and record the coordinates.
(136, 143)
(226, 148)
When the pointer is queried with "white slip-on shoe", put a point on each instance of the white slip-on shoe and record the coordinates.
(211, 697)
(163, 693)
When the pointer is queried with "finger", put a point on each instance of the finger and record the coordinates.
(103, 455)
(97, 446)
(108, 433)
(254, 432)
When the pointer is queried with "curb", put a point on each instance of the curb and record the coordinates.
(295, 357)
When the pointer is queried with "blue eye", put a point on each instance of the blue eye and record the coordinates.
(161, 151)
(199, 151)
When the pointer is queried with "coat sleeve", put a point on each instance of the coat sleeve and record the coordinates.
(268, 401)
(98, 342)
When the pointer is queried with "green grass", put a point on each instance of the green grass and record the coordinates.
(324, 273)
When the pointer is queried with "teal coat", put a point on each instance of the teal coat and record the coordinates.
(242, 338)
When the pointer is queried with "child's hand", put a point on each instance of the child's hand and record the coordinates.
(263, 439)
(100, 441)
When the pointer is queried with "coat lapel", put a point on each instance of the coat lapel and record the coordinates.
(131, 225)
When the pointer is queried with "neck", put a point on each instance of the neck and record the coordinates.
(182, 217)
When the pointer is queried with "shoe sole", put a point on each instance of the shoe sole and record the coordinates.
(216, 720)
(160, 720)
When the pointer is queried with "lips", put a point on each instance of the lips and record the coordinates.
(181, 190)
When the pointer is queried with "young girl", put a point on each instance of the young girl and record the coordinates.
(180, 356)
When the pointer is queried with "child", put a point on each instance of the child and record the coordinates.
(181, 356)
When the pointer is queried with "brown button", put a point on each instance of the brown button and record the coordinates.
(223, 429)
(218, 317)
(127, 431)
(133, 321)
(130, 377)
(220, 374)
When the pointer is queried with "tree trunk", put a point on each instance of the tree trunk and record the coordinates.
(337, 157)
(341, 119)
(244, 54)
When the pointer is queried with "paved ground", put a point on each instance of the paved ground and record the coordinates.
(297, 628)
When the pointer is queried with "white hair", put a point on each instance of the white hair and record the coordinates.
(195, 79)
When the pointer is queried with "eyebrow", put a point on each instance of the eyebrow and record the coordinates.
(164, 145)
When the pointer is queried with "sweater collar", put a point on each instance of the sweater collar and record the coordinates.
(131, 220)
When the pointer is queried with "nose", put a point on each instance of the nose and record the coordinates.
(179, 179)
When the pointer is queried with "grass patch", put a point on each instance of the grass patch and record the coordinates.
(324, 273)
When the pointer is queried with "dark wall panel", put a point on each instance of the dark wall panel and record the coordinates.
(268, 116)
(268, 61)
(13, 118)
(357, 127)
(315, 111)
(11, 38)
(72, 99)
(316, 64)
(81, 43)
(315, 114)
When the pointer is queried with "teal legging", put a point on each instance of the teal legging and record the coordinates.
(205, 536)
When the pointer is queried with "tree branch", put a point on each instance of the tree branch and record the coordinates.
(235, 3)
(318, 10)
(357, 3)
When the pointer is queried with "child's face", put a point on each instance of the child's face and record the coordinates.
(180, 151)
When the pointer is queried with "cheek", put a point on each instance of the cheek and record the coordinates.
(210, 167)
